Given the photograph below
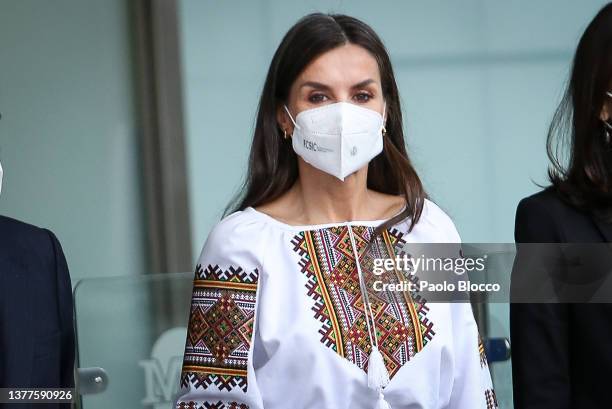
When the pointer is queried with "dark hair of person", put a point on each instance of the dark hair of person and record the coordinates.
(273, 168)
(581, 156)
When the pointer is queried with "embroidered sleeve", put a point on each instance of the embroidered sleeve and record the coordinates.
(487, 384)
(217, 371)
(472, 386)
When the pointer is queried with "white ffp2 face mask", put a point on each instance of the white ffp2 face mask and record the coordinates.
(1, 174)
(338, 138)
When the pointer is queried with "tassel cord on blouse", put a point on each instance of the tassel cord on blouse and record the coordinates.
(378, 376)
(382, 403)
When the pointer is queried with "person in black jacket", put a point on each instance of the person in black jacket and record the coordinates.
(37, 342)
(561, 352)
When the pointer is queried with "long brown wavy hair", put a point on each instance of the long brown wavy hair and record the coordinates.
(273, 166)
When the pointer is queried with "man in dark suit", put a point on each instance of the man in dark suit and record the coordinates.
(36, 319)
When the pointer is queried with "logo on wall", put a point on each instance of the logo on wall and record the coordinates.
(163, 370)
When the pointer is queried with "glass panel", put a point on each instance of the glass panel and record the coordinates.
(134, 328)
(499, 267)
(138, 359)
(492, 315)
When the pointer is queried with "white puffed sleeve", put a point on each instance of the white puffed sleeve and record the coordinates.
(217, 369)
(472, 386)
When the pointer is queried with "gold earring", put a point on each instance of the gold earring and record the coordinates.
(285, 133)
(384, 130)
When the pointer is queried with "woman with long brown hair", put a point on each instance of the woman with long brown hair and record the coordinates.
(561, 356)
(283, 311)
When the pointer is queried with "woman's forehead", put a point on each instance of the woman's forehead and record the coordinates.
(342, 66)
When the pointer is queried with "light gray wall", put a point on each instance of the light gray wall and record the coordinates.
(68, 142)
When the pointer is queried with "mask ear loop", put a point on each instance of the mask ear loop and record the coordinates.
(384, 119)
(290, 117)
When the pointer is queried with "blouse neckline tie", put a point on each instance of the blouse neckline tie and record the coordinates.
(378, 376)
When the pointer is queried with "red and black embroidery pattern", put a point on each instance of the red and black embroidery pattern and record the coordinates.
(491, 399)
(220, 328)
(329, 264)
(481, 351)
(213, 405)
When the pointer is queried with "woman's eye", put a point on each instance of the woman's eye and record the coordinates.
(362, 97)
(317, 98)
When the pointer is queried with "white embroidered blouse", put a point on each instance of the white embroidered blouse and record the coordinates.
(279, 321)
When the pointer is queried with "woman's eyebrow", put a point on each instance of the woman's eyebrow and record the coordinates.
(314, 84)
(319, 85)
(363, 83)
